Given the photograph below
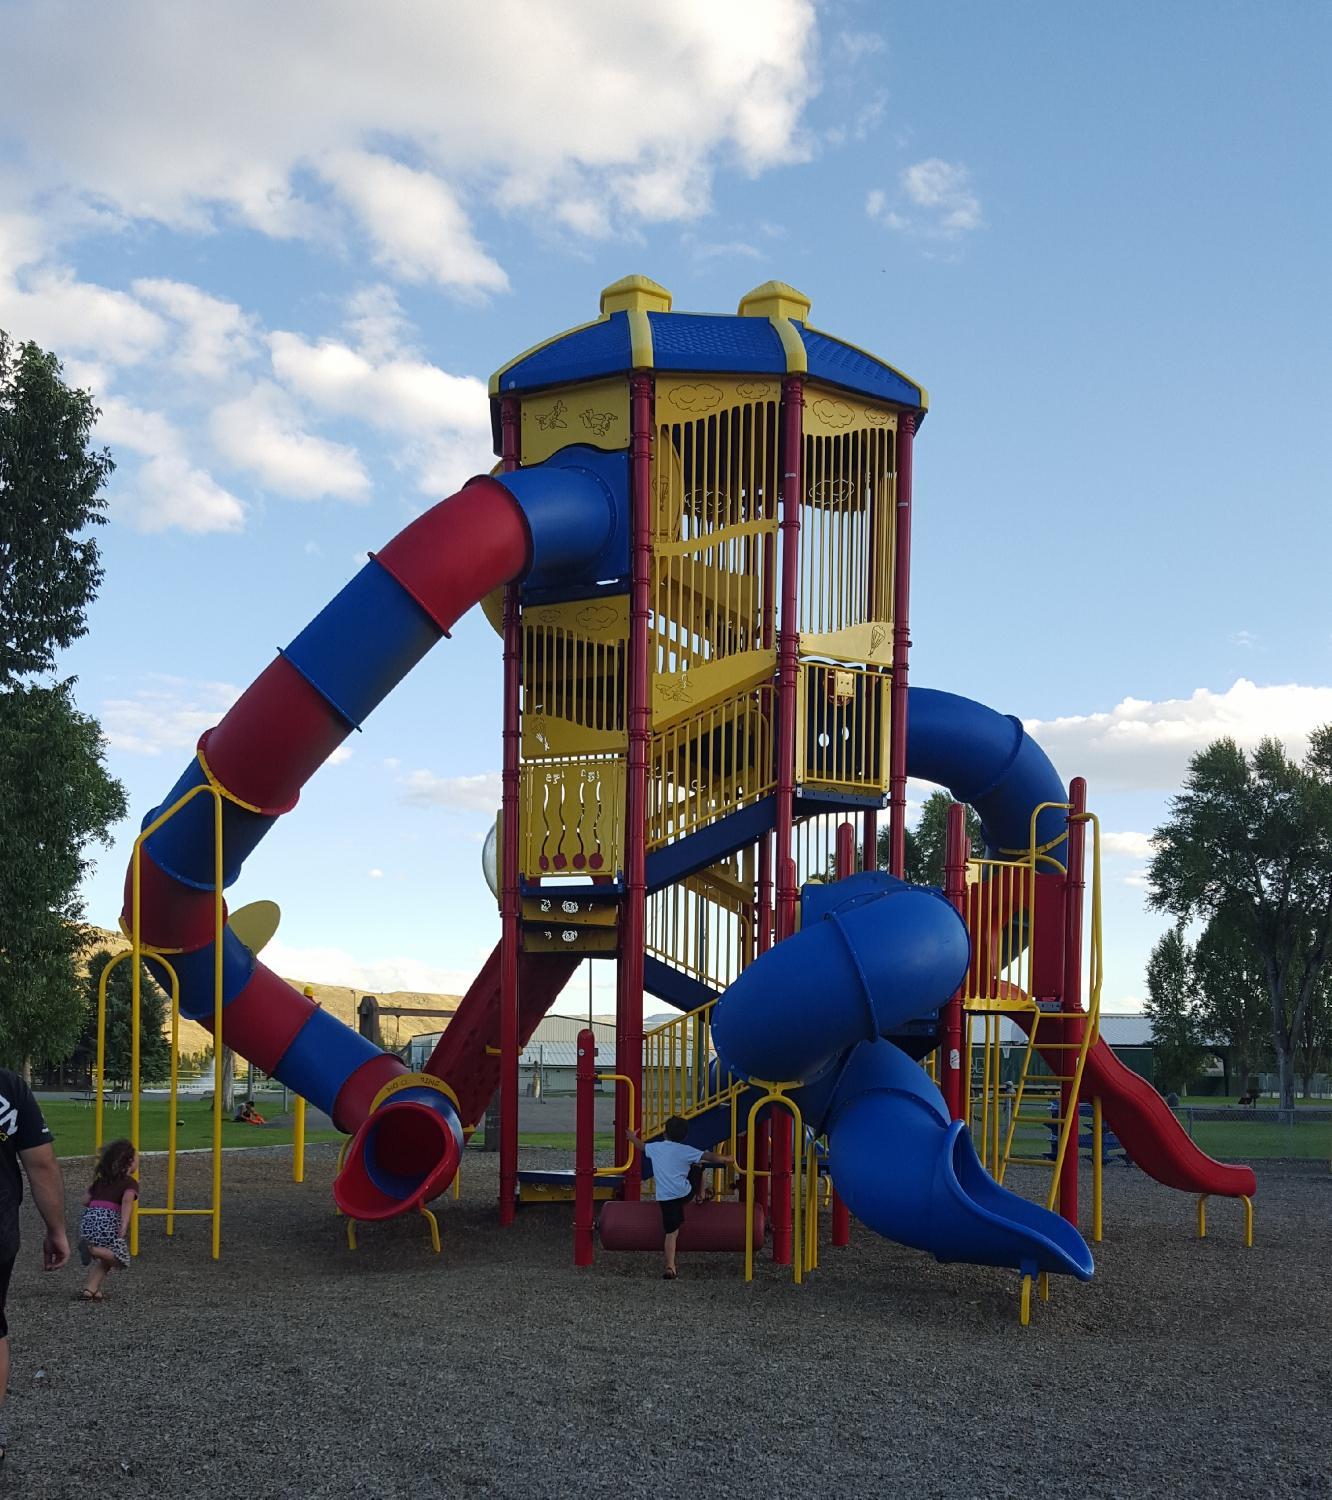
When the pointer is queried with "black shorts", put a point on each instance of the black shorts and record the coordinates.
(6, 1271)
(672, 1212)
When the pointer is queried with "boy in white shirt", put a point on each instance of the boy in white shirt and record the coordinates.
(675, 1170)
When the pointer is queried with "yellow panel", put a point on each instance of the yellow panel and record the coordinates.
(589, 940)
(827, 410)
(585, 911)
(635, 294)
(574, 677)
(871, 643)
(678, 695)
(701, 395)
(572, 818)
(595, 413)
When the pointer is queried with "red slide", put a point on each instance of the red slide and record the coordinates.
(1147, 1127)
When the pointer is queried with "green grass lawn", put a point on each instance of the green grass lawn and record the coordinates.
(72, 1122)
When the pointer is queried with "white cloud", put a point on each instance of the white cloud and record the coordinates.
(634, 106)
(375, 874)
(340, 756)
(1132, 845)
(414, 222)
(327, 965)
(51, 306)
(1245, 638)
(258, 432)
(1137, 879)
(935, 200)
(480, 793)
(403, 394)
(166, 713)
(167, 491)
(1141, 745)
(215, 338)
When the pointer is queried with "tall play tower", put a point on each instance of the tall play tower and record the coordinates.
(667, 724)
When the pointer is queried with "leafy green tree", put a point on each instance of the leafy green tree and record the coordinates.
(154, 1014)
(927, 842)
(1250, 839)
(1176, 1016)
(51, 486)
(56, 798)
(1233, 997)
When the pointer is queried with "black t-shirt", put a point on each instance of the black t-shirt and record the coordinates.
(21, 1128)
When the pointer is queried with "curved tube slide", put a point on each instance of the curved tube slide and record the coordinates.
(562, 521)
(816, 1007)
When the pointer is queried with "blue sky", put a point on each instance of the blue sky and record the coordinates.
(285, 248)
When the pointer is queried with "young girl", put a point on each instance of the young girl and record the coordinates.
(107, 1206)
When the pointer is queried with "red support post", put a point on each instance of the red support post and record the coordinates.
(585, 1125)
(629, 986)
(1071, 1003)
(788, 665)
(952, 1083)
(897, 776)
(509, 886)
(846, 865)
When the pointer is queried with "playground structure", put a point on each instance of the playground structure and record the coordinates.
(696, 549)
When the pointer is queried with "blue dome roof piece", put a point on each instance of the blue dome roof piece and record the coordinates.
(600, 348)
(700, 341)
(845, 365)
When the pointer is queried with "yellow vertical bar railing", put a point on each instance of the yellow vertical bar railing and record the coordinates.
(776, 1097)
(137, 951)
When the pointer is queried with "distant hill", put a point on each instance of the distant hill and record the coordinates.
(338, 1000)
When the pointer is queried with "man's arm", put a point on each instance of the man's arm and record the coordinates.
(635, 1138)
(48, 1193)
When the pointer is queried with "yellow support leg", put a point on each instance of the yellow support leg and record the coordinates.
(1202, 1217)
(1044, 1284)
(1096, 1169)
(434, 1228)
(298, 1140)
(351, 1234)
(1248, 1221)
(1025, 1313)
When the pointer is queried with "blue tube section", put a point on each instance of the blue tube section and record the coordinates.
(361, 645)
(885, 952)
(577, 509)
(183, 846)
(323, 1055)
(398, 1184)
(936, 1196)
(195, 973)
(989, 760)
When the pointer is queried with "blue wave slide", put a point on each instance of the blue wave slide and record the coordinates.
(872, 954)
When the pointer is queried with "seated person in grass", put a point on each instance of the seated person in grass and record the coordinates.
(247, 1114)
(677, 1172)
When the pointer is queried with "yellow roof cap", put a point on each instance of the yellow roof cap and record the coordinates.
(635, 294)
(775, 299)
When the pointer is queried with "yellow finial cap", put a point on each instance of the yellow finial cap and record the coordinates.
(775, 299)
(635, 294)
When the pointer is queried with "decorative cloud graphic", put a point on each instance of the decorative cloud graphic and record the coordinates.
(834, 414)
(752, 389)
(695, 398)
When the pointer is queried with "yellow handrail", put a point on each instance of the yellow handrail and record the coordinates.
(619, 1170)
(677, 1070)
(775, 1096)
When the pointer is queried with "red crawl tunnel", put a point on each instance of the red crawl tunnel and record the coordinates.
(559, 524)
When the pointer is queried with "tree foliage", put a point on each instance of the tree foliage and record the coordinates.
(154, 1012)
(927, 843)
(56, 797)
(1176, 1016)
(51, 488)
(1232, 995)
(1249, 841)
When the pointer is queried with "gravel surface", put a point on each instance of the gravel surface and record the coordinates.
(294, 1368)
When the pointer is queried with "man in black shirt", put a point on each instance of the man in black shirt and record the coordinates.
(24, 1137)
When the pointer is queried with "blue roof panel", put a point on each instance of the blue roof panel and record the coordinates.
(602, 348)
(694, 341)
(840, 364)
